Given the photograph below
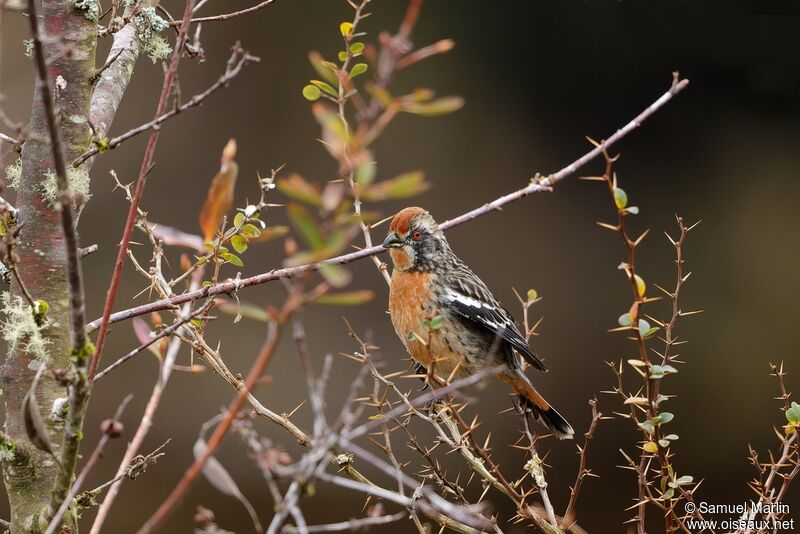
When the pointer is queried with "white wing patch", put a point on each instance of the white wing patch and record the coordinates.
(464, 300)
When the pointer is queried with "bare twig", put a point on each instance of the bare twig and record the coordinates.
(166, 332)
(147, 162)
(238, 59)
(264, 357)
(350, 526)
(227, 16)
(583, 471)
(111, 429)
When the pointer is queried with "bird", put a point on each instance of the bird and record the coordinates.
(448, 319)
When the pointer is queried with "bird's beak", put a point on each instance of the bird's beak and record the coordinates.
(393, 241)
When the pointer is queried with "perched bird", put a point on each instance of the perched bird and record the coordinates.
(449, 320)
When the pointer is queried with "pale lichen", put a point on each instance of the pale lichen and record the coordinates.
(28, 44)
(90, 9)
(20, 328)
(78, 180)
(14, 174)
(148, 26)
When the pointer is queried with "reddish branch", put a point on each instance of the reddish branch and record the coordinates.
(536, 186)
(147, 162)
(263, 359)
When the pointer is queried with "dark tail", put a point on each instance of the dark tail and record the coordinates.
(539, 407)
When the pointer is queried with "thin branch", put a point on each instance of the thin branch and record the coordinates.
(261, 362)
(583, 471)
(349, 526)
(7, 139)
(164, 333)
(536, 186)
(227, 16)
(147, 162)
(111, 429)
(239, 58)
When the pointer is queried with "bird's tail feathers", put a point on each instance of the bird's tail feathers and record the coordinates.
(541, 410)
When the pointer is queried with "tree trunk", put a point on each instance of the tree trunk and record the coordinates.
(70, 38)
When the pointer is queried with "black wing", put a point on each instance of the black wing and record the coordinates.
(469, 298)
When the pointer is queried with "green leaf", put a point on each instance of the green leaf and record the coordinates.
(322, 67)
(365, 173)
(405, 185)
(358, 69)
(647, 426)
(239, 243)
(671, 437)
(325, 87)
(335, 275)
(682, 481)
(305, 224)
(356, 48)
(793, 414)
(650, 447)
(311, 92)
(624, 319)
(644, 326)
(346, 298)
(533, 294)
(243, 309)
(665, 417)
(346, 28)
(330, 122)
(633, 210)
(238, 219)
(435, 323)
(663, 443)
(650, 331)
(298, 188)
(434, 108)
(668, 494)
(233, 259)
(251, 231)
(342, 56)
(620, 198)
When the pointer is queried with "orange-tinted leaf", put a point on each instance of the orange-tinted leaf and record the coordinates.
(220, 194)
(406, 185)
(346, 298)
(269, 233)
(440, 106)
(298, 188)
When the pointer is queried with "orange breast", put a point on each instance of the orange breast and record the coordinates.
(411, 302)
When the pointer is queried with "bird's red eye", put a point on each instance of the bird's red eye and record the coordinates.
(416, 236)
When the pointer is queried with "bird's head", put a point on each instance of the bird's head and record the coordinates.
(415, 241)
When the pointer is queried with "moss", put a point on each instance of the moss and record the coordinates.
(78, 180)
(14, 174)
(90, 9)
(80, 355)
(8, 449)
(20, 329)
(149, 25)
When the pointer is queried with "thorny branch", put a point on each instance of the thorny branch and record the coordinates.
(537, 185)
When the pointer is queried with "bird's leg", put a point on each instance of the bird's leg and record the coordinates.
(420, 369)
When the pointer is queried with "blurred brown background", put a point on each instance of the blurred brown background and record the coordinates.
(537, 77)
